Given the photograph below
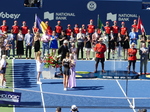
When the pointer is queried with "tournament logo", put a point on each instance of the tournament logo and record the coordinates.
(91, 6)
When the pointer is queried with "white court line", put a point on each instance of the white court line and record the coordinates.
(125, 95)
(13, 80)
(43, 103)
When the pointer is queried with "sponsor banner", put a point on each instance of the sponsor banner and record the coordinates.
(58, 15)
(120, 17)
(6, 15)
(7, 97)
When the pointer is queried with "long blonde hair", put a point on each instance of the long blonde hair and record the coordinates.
(38, 54)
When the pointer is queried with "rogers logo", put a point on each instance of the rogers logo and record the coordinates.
(11, 16)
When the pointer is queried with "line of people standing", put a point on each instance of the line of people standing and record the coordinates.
(115, 38)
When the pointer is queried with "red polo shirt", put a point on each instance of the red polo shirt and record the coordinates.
(68, 31)
(123, 30)
(135, 27)
(107, 29)
(49, 30)
(4, 28)
(76, 30)
(90, 28)
(83, 31)
(115, 29)
(58, 29)
(35, 29)
(15, 29)
(24, 29)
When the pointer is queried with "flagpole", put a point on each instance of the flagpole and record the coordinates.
(98, 21)
(35, 17)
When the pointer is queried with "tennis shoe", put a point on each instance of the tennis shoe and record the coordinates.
(4, 84)
(38, 82)
(65, 89)
(93, 59)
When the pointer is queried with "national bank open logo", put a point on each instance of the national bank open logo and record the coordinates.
(91, 5)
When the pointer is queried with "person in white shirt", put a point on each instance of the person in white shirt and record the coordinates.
(11, 43)
(7, 45)
(3, 64)
(28, 42)
(45, 46)
(95, 37)
(105, 41)
(80, 43)
(143, 58)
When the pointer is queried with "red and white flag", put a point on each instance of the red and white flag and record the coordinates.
(140, 25)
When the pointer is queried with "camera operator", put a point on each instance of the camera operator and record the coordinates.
(74, 108)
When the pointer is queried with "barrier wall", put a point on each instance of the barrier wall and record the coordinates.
(76, 12)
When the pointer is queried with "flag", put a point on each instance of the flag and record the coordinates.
(40, 24)
(140, 25)
(99, 23)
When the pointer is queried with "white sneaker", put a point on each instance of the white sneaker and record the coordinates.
(93, 59)
(4, 84)
(65, 89)
(13, 57)
(38, 82)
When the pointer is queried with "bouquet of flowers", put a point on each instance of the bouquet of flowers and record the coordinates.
(51, 60)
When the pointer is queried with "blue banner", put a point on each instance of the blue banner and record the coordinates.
(12, 98)
(108, 10)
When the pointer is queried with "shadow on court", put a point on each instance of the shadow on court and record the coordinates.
(87, 88)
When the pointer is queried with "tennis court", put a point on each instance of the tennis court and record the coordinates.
(90, 95)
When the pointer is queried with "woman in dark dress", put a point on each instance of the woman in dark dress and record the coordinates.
(88, 47)
(66, 64)
(37, 39)
(20, 48)
(125, 46)
(111, 45)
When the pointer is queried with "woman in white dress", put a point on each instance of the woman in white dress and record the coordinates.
(72, 77)
(39, 66)
(3, 64)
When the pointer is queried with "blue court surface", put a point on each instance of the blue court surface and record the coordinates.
(90, 95)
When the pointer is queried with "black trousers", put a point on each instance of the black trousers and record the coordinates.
(102, 60)
(28, 48)
(133, 65)
(80, 46)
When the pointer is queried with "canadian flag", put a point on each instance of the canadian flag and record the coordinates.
(140, 25)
